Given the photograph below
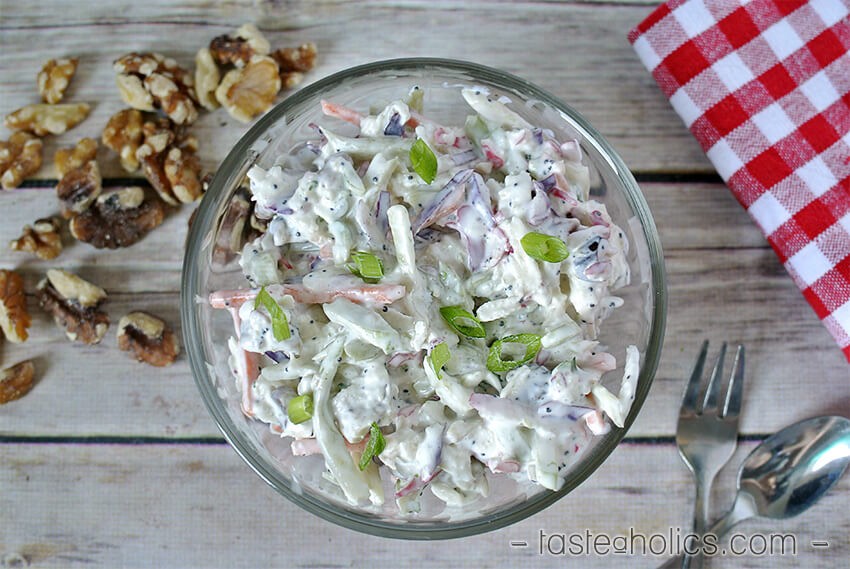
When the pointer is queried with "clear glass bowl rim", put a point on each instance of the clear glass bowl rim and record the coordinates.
(191, 286)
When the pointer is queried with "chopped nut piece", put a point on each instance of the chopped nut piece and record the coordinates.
(123, 134)
(119, 218)
(231, 232)
(16, 381)
(73, 303)
(55, 77)
(290, 79)
(227, 50)
(42, 239)
(149, 80)
(174, 102)
(170, 164)
(67, 159)
(207, 77)
(42, 119)
(150, 339)
(24, 151)
(183, 171)
(255, 38)
(10, 149)
(133, 92)
(238, 49)
(14, 318)
(249, 91)
(301, 58)
(79, 188)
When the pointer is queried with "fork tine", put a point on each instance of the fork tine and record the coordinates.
(712, 390)
(692, 390)
(734, 394)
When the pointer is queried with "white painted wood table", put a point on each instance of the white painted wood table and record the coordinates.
(111, 463)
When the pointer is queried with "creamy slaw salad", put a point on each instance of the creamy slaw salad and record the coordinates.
(426, 300)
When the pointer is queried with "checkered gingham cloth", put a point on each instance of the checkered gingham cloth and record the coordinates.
(764, 86)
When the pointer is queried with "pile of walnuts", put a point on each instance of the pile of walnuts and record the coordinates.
(243, 75)
(239, 72)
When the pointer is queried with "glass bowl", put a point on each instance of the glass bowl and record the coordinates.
(639, 322)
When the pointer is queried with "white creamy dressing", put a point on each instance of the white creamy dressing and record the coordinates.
(453, 242)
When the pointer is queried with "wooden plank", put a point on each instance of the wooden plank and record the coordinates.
(688, 216)
(100, 390)
(794, 369)
(579, 52)
(200, 506)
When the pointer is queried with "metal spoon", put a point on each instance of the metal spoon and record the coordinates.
(787, 473)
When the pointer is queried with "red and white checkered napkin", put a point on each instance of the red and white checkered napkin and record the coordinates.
(764, 86)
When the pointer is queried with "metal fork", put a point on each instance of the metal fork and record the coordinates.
(707, 435)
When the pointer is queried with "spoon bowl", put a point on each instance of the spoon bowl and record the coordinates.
(787, 474)
(790, 471)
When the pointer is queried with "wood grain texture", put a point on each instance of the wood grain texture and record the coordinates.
(577, 51)
(793, 368)
(197, 506)
(156, 498)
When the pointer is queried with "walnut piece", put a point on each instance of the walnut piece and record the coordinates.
(183, 171)
(14, 318)
(20, 158)
(54, 78)
(123, 134)
(16, 381)
(207, 77)
(149, 80)
(227, 50)
(231, 232)
(42, 119)
(67, 159)
(251, 90)
(239, 48)
(118, 218)
(41, 239)
(74, 304)
(149, 337)
(79, 188)
(170, 164)
(301, 58)
(133, 92)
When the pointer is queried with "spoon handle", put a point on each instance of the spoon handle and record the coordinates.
(741, 510)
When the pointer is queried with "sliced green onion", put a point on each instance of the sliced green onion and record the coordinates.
(374, 446)
(280, 326)
(414, 98)
(544, 247)
(367, 266)
(462, 321)
(423, 161)
(439, 356)
(496, 363)
(300, 408)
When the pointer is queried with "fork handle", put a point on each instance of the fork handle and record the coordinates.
(701, 505)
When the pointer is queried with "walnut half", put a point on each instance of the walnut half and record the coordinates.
(170, 163)
(16, 381)
(14, 318)
(118, 218)
(149, 337)
(67, 159)
(123, 134)
(42, 119)
(42, 239)
(54, 78)
(150, 80)
(20, 158)
(251, 90)
(78, 189)
(74, 304)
